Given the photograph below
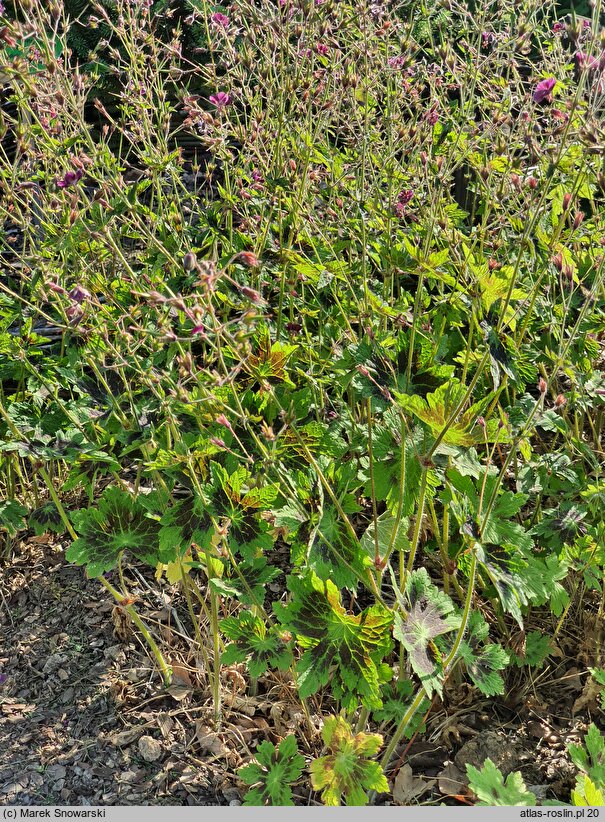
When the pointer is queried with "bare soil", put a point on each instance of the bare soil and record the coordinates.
(85, 719)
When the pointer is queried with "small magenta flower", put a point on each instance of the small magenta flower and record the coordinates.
(403, 198)
(558, 27)
(70, 178)
(220, 99)
(322, 49)
(543, 91)
(220, 20)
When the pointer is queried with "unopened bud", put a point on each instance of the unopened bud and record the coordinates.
(566, 201)
(251, 294)
(189, 261)
(542, 386)
(248, 258)
(560, 401)
(578, 219)
(222, 420)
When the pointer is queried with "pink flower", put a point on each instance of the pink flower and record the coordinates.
(220, 99)
(322, 48)
(543, 91)
(220, 20)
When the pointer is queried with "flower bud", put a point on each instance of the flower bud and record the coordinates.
(542, 386)
(248, 258)
(222, 420)
(189, 261)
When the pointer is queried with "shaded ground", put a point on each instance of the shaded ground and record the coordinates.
(76, 700)
(84, 718)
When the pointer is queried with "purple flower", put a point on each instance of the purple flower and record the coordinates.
(322, 48)
(543, 91)
(1, 7)
(79, 294)
(220, 99)
(3, 677)
(70, 178)
(220, 20)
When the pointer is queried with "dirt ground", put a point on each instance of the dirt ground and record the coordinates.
(85, 720)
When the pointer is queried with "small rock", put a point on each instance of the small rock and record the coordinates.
(53, 662)
(149, 748)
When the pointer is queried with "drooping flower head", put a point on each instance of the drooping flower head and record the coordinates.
(543, 90)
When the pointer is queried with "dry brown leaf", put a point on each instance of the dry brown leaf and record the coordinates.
(456, 730)
(124, 738)
(589, 696)
(452, 781)
(165, 724)
(180, 675)
(208, 740)
(149, 748)
(122, 624)
(408, 787)
(179, 692)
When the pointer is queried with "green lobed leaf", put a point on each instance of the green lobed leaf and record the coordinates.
(254, 643)
(493, 790)
(118, 524)
(347, 771)
(341, 648)
(273, 773)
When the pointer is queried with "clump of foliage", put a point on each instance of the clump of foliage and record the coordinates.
(342, 303)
